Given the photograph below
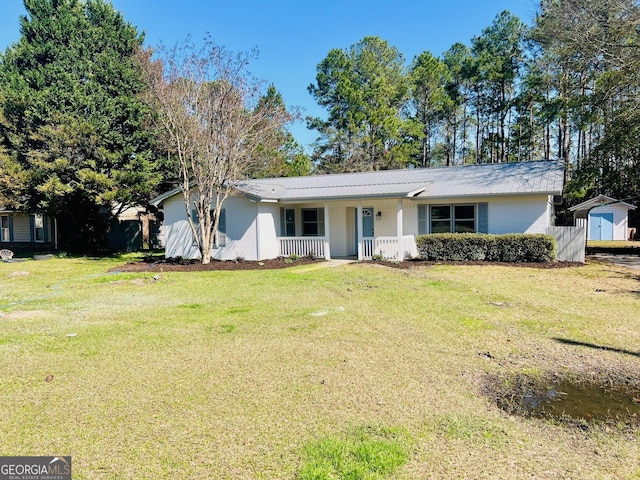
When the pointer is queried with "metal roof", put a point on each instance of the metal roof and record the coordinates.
(516, 178)
(600, 201)
(466, 180)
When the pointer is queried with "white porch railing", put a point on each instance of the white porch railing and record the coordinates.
(387, 247)
(303, 246)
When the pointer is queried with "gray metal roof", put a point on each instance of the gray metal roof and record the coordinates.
(600, 201)
(545, 177)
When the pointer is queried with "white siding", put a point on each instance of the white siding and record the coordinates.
(520, 215)
(178, 238)
(253, 228)
(267, 231)
(241, 232)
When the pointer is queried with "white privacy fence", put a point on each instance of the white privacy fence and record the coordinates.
(303, 246)
(570, 242)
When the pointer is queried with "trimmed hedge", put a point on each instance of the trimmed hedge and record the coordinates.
(512, 248)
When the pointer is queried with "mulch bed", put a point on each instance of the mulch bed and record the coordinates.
(155, 264)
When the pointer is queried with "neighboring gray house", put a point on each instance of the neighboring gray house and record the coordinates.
(365, 214)
(26, 231)
(605, 217)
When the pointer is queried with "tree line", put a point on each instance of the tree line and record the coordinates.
(91, 121)
(566, 88)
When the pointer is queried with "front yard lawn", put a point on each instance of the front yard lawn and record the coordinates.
(310, 372)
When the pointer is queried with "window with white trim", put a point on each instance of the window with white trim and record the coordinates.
(287, 222)
(221, 234)
(38, 228)
(453, 218)
(220, 237)
(5, 232)
(313, 222)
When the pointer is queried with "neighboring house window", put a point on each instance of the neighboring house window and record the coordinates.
(287, 222)
(5, 232)
(455, 218)
(313, 222)
(38, 228)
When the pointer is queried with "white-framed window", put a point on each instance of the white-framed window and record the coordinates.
(38, 228)
(312, 222)
(221, 234)
(287, 222)
(453, 218)
(5, 232)
(220, 237)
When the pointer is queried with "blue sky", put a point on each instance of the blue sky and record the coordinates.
(293, 36)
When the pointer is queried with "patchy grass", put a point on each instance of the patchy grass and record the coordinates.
(262, 374)
(628, 244)
(363, 453)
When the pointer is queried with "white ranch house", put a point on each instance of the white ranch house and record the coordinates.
(374, 213)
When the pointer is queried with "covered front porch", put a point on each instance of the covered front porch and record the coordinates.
(343, 229)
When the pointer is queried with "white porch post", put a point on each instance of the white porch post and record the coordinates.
(399, 230)
(359, 230)
(258, 249)
(327, 233)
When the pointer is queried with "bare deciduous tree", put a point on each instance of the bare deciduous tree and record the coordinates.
(213, 122)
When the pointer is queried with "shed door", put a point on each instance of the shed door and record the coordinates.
(601, 226)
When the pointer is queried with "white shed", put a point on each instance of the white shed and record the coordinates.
(605, 217)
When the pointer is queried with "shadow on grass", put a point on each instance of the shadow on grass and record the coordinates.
(567, 341)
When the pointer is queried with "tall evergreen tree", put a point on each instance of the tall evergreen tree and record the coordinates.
(429, 78)
(75, 125)
(280, 156)
(365, 90)
(498, 53)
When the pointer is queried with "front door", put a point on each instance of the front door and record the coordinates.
(367, 223)
(601, 226)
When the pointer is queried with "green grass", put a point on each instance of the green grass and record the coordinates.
(365, 453)
(305, 371)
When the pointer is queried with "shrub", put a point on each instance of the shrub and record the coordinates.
(513, 248)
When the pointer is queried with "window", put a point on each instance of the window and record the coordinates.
(5, 233)
(38, 228)
(221, 236)
(464, 218)
(440, 219)
(313, 222)
(455, 218)
(287, 222)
